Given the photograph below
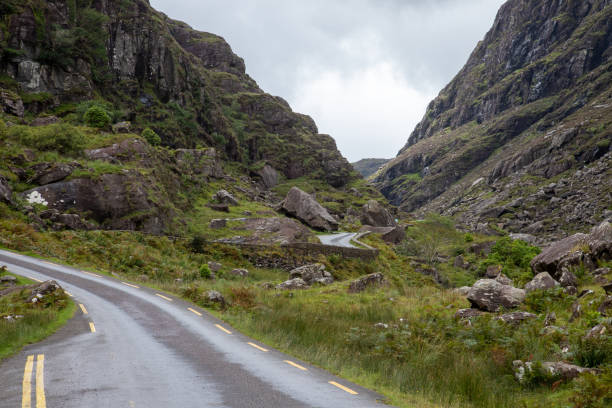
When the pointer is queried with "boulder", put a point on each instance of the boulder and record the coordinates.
(291, 284)
(504, 280)
(460, 262)
(270, 231)
(515, 318)
(305, 208)
(214, 266)
(6, 193)
(463, 291)
(8, 279)
(371, 280)
(39, 291)
(312, 273)
(596, 331)
(218, 207)
(467, 313)
(217, 223)
(374, 214)
(567, 278)
(550, 319)
(239, 272)
(557, 369)
(490, 295)
(576, 311)
(215, 297)
(574, 250)
(224, 197)
(607, 287)
(528, 238)
(605, 307)
(44, 121)
(493, 271)
(122, 127)
(395, 235)
(47, 173)
(542, 281)
(203, 162)
(124, 151)
(267, 176)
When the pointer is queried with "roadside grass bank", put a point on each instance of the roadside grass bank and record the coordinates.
(401, 340)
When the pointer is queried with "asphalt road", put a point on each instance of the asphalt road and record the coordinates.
(342, 239)
(130, 347)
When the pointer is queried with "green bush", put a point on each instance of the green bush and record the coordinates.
(2, 129)
(151, 137)
(205, 272)
(98, 117)
(60, 137)
(593, 391)
(594, 351)
(513, 255)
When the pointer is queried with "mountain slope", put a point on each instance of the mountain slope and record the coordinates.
(531, 108)
(156, 72)
(367, 167)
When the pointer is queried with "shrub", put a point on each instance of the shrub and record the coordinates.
(593, 391)
(205, 272)
(513, 255)
(2, 129)
(594, 351)
(151, 137)
(61, 137)
(97, 116)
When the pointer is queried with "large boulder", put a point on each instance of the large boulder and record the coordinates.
(542, 281)
(555, 368)
(312, 273)
(39, 291)
(224, 197)
(490, 295)
(124, 151)
(6, 193)
(267, 176)
(575, 250)
(47, 173)
(374, 214)
(371, 280)
(292, 284)
(305, 208)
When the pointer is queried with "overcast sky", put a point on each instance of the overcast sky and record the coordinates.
(365, 70)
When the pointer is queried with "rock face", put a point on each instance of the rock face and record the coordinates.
(47, 173)
(267, 176)
(305, 208)
(368, 281)
(6, 193)
(490, 295)
(311, 274)
(542, 281)
(374, 214)
(574, 250)
(192, 80)
(513, 118)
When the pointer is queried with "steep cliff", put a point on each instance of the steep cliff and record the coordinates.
(188, 86)
(521, 136)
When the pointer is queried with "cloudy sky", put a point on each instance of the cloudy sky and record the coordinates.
(365, 70)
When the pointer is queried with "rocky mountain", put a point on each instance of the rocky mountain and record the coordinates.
(367, 167)
(521, 136)
(188, 86)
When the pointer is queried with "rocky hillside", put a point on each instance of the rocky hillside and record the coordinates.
(188, 86)
(367, 167)
(521, 136)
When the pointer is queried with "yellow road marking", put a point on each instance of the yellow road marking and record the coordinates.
(223, 328)
(343, 388)
(92, 274)
(164, 297)
(83, 308)
(92, 327)
(34, 279)
(256, 346)
(194, 311)
(26, 399)
(41, 401)
(129, 284)
(291, 363)
(49, 263)
(68, 293)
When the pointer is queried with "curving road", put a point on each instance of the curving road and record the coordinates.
(342, 239)
(130, 346)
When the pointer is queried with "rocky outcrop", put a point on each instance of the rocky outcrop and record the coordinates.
(557, 369)
(267, 176)
(47, 173)
(39, 291)
(374, 214)
(372, 280)
(490, 295)
(224, 197)
(312, 273)
(270, 231)
(11, 103)
(6, 193)
(515, 116)
(293, 284)
(542, 281)
(305, 208)
(585, 249)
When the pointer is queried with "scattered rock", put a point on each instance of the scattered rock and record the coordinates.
(467, 313)
(219, 207)
(6, 193)
(239, 272)
(607, 288)
(374, 214)
(516, 318)
(395, 235)
(596, 331)
(312, 273)
(605, 307)
(585, 292)
(381, 326)
(305, 208)
(601, 271)
(528, 238)
(8, 279)
(551, 318)
(576, 311)
(11, 103)
(43, 289)
(267, 176)
(214, 266)
(558, 368)
(542, 281)
(44, 121)
(216, 297)
(504, 280)
(482, 248)
(460, 262)
(291, 284)
(47, 173)
(570, 290)
(490, 295)
(463, 291)
(371, 280)
(493, 271)
(224, 197)
(122, 127)
(567, 278)
(217, 223)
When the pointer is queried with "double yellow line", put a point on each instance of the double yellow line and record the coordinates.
(26, 399)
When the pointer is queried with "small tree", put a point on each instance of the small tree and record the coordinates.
(151, 137)
(96, 116)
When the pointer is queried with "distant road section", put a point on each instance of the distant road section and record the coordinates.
(342, 239)
(129, 346)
